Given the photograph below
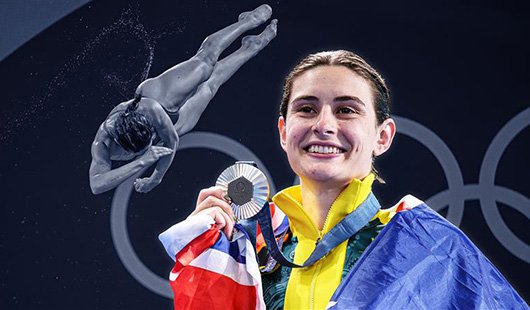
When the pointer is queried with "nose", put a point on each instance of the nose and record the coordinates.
(325, 123)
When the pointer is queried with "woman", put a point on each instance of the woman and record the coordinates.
(334, 122)
(179, 95)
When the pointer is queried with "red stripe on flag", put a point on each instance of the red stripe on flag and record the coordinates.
(197, 288)
(195, 248)
(404, 206)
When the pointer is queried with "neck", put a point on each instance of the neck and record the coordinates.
(317, 200)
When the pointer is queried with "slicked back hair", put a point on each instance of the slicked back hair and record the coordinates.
(351, 61)
(133, 129)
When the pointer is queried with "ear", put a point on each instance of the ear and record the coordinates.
(386, 132)
(282, 132)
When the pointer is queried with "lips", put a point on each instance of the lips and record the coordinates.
(323, 149)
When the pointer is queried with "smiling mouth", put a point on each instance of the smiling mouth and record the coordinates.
(319, 149)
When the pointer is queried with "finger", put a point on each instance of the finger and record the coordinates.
(161, 153)
(215, 191)
(217, 215)
(161, 149)
(211, 202)
(142, 187)
(229, 227)
(222, 220)
(165, 154)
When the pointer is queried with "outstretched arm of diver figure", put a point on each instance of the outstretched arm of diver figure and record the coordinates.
(193, 108)
(103, 177)
(168, 138)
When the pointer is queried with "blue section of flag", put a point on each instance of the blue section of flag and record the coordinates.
(421, 261)
(284, 225)
(225, 246)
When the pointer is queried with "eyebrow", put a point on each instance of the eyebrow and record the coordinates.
(350, 98)
(338, 99)
(305, 98)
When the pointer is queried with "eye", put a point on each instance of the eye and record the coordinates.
(345, 110)
(306, 109)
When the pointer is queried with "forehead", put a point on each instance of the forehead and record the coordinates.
(328, 82)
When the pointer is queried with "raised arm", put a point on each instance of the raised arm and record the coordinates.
(168, 139)
(102, 177)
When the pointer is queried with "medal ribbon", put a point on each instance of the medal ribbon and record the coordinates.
(341, 232)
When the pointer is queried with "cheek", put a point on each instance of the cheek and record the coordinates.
(371, 143)
(360, 139)
(292, 134)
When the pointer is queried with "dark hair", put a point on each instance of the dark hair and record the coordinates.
(351, 61)
(133, 130)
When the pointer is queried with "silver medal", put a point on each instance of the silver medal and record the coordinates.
(247, 188)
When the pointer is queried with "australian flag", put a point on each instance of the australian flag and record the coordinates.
(421, 261)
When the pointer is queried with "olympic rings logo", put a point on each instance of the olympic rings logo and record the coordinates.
(454, 197)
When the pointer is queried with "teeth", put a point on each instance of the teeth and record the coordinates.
(324, 149)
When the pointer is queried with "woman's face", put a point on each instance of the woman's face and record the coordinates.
(330, 132)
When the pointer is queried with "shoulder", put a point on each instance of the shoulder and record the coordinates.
(101, 146)
(154, 111)
(406, 203)
(117, 109)
(413, 218)
(410, 207)
(109, 121)
(102, 137)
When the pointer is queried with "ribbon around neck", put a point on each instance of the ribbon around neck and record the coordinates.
(346, 228)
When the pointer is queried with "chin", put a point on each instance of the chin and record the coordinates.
(323, 176)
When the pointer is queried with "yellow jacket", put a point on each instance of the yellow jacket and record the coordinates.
(313, 286)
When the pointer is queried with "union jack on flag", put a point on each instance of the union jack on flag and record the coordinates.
(210, 271)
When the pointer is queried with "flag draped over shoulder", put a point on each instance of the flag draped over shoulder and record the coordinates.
(418, 261)
(210, 271)
(421, 261)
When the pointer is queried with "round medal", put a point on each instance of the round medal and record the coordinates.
(247, 188)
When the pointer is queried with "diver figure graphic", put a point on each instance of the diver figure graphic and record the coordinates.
(146, 130)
